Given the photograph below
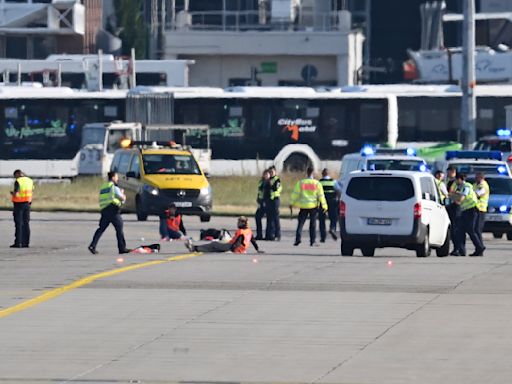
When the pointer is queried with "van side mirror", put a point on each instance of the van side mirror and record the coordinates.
(132, 174)
(207, 175)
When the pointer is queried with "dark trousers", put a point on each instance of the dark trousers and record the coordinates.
(303, 215)
(467, 224)
(480, 222)
(214, 246)
(110, 215)
(21, 215)
(273, 220)
(453, 211)
(332, 213)
(258, 217)
(165, 231)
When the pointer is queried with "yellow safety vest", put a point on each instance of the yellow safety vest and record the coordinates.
(441, 194)
(470, 201)
(24, 194)
(483, 201)
(308, 194)
(275, 192)
(108, 195)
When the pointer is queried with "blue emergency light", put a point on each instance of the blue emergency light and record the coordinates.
(423, 168)
(367, 150)
(481, 155)
(503, 132)
(502, 170)
(503, 208)
(410, 152)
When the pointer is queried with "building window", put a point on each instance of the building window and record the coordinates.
(16, 47)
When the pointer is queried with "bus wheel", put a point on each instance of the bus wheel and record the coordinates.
(297, 162)
(141, 214)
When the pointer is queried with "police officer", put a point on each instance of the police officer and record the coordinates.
(21, 197)
(273, 231)
(111, 199)
(466, 198)
(329, 186)
(441, 186)
(452, 208)
(262, 198)
(482, 191)
(308, 195)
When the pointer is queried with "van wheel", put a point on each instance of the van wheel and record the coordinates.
(368, 251)
(141, 214)
(423, 249)
(509, 235)
(444, 250)
(498, 235)
(346, 249)
(204, 218)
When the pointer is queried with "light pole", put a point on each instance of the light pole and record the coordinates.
(468, 83)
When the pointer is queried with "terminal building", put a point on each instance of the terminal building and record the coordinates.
(264, 42)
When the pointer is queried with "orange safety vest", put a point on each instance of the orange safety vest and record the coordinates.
(174, 223)
(24, 194)
(247, 234)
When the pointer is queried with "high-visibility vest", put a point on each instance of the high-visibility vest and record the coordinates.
(328, 185)
(247, 236)
(174, 223)
(308, 194)
(24, 193)
(441, 193)
(483, 201)
(470, 200)
(275, 192)
(108, 195)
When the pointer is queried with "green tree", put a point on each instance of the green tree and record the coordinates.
(131, 27)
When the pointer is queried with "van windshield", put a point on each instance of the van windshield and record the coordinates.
(394, 165)
(164, 164)
(380, 188)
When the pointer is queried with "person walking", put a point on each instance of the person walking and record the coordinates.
(21, 197)
(262, 198)
(482, 191)
(466, 198)
(111, 199)
(329, 187)
(308, 196)
(273, 231)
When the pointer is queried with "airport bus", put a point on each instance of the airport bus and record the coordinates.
(250, 127)
(42, 127)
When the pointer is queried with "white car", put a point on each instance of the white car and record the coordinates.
(472, 162)
(392, 209)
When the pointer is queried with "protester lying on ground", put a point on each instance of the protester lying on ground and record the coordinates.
(238, 244)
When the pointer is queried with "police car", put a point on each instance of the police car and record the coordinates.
(498, 219)
(472, 162)
(382, 159)
(502, 142)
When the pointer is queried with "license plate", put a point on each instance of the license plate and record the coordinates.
(378, 221)
(183, 204)
(496, 217)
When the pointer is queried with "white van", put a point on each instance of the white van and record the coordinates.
(392, 209)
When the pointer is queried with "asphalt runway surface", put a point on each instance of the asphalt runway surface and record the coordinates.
(292, 315)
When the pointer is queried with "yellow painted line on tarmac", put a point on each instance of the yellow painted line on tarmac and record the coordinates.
(88, 280)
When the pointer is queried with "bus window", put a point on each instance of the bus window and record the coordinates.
(93, 135)
(370, 121)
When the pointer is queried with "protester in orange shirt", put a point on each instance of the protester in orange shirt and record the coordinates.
(238, 244)
(171, 225)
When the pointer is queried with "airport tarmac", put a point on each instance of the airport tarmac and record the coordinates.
(292, 315)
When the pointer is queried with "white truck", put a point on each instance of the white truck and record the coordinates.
(101, 140)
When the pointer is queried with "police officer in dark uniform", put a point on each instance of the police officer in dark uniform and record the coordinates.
(332, 203)
(273, 221)
(262, 199)
(452, 208)
(111, 199)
